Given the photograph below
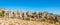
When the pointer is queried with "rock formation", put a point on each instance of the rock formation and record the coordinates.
(24, 15)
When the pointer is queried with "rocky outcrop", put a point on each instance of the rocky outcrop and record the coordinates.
(24, 15)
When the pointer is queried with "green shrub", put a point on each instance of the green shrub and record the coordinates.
(27, 18)
(1, 14)
(12, 17)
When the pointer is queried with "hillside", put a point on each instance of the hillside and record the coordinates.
(28, 18)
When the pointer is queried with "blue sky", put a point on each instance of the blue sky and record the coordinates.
(52, 6)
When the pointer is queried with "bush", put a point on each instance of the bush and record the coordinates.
(33, 19)
(1, 14)
(42, 19)
(12, 17)
(27, 18)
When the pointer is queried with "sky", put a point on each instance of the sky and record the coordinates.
(52, 6)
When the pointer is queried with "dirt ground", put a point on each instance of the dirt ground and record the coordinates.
(15, 21)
